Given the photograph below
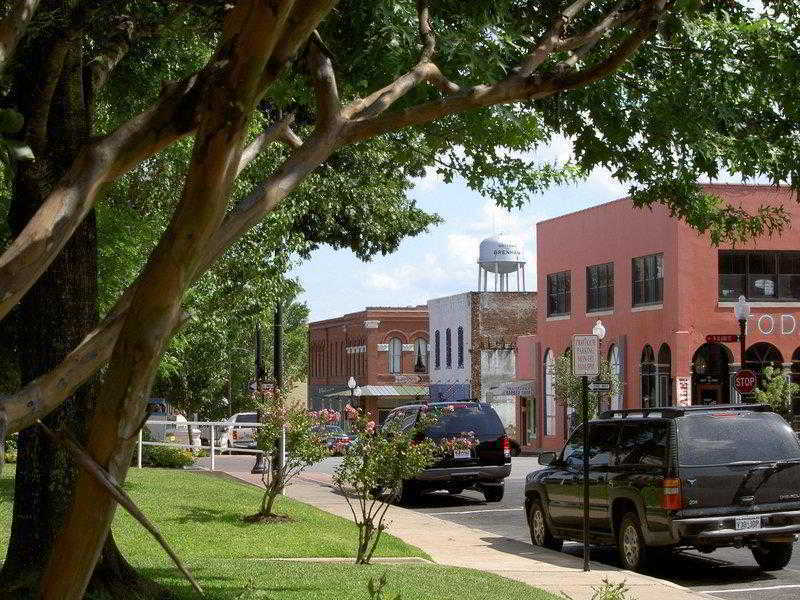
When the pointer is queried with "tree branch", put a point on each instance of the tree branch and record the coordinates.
(120, 495)
(13, 27)
(42, 98)
(323, 81)
(550, 40)
(277, 131)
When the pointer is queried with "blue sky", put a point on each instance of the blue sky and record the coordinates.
(443, 260)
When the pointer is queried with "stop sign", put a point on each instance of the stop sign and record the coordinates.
(745, 381)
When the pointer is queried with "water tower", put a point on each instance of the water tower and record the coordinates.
(502, 258)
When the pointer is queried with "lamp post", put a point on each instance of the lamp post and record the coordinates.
(742, 312)
(600, 331)
(355, 391)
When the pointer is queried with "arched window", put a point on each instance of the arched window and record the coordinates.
(664, 373)
(615, 362)
(448, 349)
(395, 355)
(549, 371)
(460, 335)
(796, 379)
(421, 356)
(761, 355)
(647, 372)
(436, 350)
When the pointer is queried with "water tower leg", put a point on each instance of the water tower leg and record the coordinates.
(495, 277)
(523, 278)
(518, 278)
(479, 278)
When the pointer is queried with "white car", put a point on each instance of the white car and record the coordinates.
(234, 435)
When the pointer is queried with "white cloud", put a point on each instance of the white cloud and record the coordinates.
(429, 182)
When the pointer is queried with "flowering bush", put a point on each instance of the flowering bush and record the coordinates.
(305, 444)
(464, 441)
(380, 461)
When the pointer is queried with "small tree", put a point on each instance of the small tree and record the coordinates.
(305, 445)
(568, 386)
(375, 462)
(777, 390)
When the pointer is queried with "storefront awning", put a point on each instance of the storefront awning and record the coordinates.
(387, 390)
(513, 388)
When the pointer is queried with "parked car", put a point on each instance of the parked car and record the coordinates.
(484, 468)
(235, 435)
(667, 478)
(335, 438)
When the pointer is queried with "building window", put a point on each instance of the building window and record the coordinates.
(600, 287)
(664, 376)
(421, 356)
(615, 362)
(759, 275)
(395, 355)
(648, 279)
(759, 356)
(549, 394)
(558, 294)
(460, 336)
(448, 349)
(436, 347)
(795, 374)
(647, 371)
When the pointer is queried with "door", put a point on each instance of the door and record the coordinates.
(561, 484)
(603, 441)
(709, 393)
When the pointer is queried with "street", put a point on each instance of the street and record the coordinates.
(729, 573)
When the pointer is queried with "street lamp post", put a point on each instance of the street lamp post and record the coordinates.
(355, 391)
(742, 312)
(600, 331)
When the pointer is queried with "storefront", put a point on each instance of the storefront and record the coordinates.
(665, 296)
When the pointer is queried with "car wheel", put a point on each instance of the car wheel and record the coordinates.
(409, 493)
(494, 493)
(773, 556)
(630, 542)
(540, 532)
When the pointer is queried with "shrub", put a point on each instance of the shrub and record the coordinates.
(163, 457)
(376, 589)
(11, 448)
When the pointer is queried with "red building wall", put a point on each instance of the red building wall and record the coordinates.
(617, 232)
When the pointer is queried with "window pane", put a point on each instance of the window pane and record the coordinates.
(790, 263)
(602, 442)
(644, 444)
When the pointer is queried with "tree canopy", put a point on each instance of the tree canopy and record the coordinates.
(258, 129)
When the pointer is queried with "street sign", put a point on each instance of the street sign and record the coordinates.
(600, 386)
(585, 355)
(745, 381)
(722, 338)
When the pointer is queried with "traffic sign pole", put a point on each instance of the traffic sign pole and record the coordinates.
(585, 394)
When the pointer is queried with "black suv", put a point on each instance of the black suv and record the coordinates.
(483, 468)
(661, 479)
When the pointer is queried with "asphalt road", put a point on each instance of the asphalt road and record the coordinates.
(729, 574)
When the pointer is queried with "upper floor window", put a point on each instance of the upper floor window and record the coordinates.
(448, 348)
(759, 275)
(558, 294)
(600, 287)
(436, 350)
(460, 335)
(421, 356)
(395, 355)
(648, 279)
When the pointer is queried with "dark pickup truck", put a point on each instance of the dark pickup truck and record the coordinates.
(667, 478)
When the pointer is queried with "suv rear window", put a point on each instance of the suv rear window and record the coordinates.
(728, 437)
(644, 444)
(481, 419)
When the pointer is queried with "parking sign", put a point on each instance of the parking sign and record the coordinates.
(585, 355)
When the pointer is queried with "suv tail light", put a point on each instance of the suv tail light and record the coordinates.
(671, 498)
(506, 447)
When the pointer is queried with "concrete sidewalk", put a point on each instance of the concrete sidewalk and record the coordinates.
(456, 545)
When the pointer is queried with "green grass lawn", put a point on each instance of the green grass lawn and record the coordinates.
(201, 517)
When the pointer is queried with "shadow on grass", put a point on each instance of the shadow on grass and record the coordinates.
(7, 489)
(197, 514)
(219, 587)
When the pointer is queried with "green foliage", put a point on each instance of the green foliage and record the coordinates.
(609, 591)
(569, 387)
(11, 448)
(304, 445)
(163, 457)
(376, 588)
(777, 390)
(379, 460)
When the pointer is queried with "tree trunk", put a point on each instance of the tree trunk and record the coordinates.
(52, 319)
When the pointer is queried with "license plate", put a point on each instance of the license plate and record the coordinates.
(462, 454)
(743, 523)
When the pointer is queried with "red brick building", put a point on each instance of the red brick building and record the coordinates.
(660, 288)
(385, 349)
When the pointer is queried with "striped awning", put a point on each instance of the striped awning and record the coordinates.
(387, 390)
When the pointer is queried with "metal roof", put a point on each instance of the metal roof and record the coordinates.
(387, 390)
